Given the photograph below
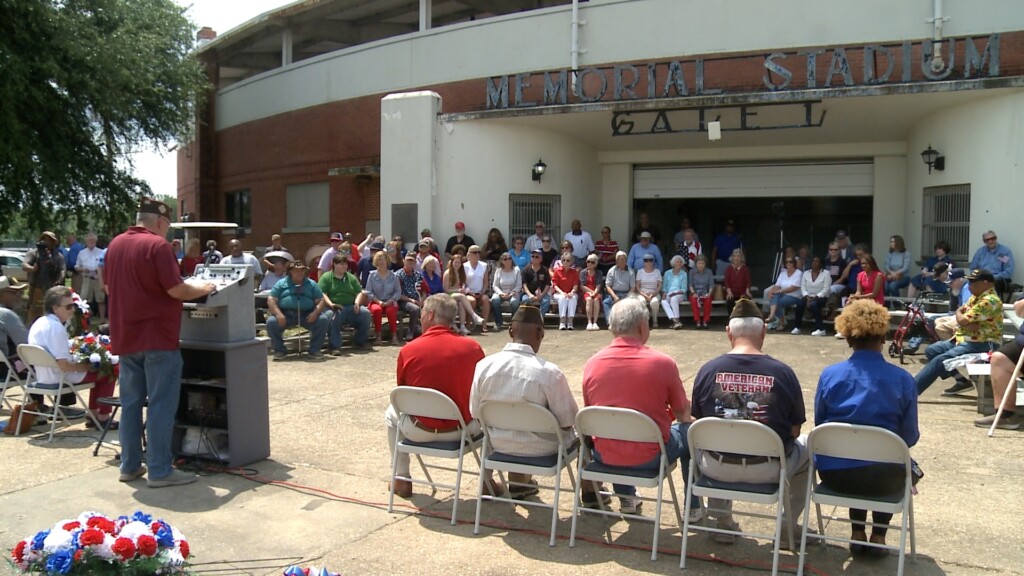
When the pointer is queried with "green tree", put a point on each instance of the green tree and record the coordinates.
(83, 83)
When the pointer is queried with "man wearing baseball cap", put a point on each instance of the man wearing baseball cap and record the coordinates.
(327, 258)
(460, 239)
(144, 293)
(979, 329)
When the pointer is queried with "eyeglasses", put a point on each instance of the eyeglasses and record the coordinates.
(790, 261)
(474, 251)
(589, 262)
(535, 256)
(546, 240)
(989, 239)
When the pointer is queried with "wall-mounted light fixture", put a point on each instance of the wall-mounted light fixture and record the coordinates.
(933, 160)
(538, 170)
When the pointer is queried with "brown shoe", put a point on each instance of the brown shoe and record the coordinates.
(403, 488)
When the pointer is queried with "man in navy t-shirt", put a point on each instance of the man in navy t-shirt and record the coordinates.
(747, 384)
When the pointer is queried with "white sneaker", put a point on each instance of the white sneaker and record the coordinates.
(630, 504)
(795, 331)
(839, 336)
(464, 331)
(478, 320)
(818, 333)
(561, 325)
(695, 515)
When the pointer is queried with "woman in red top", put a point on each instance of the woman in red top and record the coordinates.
(737, 279)
(592, 283)
(193, 257)
(871, 281)
(605, 248)
(565, 281)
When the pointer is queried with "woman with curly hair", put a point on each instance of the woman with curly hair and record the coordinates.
(494, 247)
(866, 390)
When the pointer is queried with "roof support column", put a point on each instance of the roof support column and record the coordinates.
(426, 16)
(286, 46)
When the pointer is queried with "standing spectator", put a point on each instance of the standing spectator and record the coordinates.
(237, 256)
(90, 272)
(494, 247)
(45, 266)
(641, 249)
(785, 294)
(212, 255)
(747, 384)
(382, 292)
(275, 244)
(537, 283)
(868, 391)
(565, 285)
(644, 225)
(927, 279)
(459, 239)
(678, 238)
(648, 288)
(192, 258)
(628, 374)
(592, 286)
(410, 300)
(327, 258)
(343, 295)
(606, 248)
(870, 280)
(618, 283)
(520, 255)
(297, 301)
(897, 267)
(690, 249)
(145, 293)
(477, 283)
(518, 374)
(997, 259)
(815, 286)
(442, 361)
(673, 290)
(980, 329)
(737, 279)
(582, 243)
(701, 282)
(1004, 361)
(507, 287)
(535, 241)
(725, 243)
(71, 260)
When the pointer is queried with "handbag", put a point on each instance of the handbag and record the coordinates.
(26, 423)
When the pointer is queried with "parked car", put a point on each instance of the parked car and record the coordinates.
(10, 263)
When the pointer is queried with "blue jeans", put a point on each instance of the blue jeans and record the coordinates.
(513, 305)
(892, 287)
(939, 352)
(545, 302)
(317, 329)
(782, 301)
(608, 302)
(676, 449)
(341, 316)
(156, 375)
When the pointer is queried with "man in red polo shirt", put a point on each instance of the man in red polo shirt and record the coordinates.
(144, 290)
(441, 360)
(628, 374)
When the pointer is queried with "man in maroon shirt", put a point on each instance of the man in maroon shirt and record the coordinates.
(441, 360)
(144, 291)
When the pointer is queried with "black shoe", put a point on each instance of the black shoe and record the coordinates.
(958, 387)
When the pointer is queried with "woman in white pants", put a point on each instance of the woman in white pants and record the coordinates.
(648, 287)
(565, 284)
(673, 291)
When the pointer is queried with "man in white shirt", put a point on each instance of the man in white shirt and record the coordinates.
(582, 243)
(236, 256)
(536, 240)
(90, 269)
(517, 374)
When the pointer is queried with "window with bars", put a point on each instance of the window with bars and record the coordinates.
(524, 210)
(947, 216)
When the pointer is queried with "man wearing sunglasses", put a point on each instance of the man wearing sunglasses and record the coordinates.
(997, 259)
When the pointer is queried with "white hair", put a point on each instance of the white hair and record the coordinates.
(746, 327)
(626, 316)
(443, 306)
(676, 258)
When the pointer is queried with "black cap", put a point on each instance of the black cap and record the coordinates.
(153, 206)
(978, 275)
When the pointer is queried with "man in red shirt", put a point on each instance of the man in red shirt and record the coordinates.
(628, 374)
(144, 292)
(441, 360)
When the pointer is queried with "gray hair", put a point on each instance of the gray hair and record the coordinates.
(739, 252)
(620, 254)
(626, 316)
(676, 258)
(53, 297)
(443, 307)
(746, 327)
(147, 218)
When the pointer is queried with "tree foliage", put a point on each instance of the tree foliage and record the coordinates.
(83, 83)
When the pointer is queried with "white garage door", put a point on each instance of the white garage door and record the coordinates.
(852, 178)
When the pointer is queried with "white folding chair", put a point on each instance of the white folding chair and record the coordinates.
(869, 444)
(37, 357)
(523, 417)
(11, 382)
(632, 426)
(414, 402)
(742, 438)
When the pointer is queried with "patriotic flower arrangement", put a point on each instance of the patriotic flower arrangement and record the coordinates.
(311, 571)
(96, 544)
(95, 349)
(82, 315)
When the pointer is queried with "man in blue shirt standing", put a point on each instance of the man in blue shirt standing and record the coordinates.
(642, 248)
(997, 259)
(725, 243)
(71, 258)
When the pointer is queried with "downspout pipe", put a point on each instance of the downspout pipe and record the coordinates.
(937, 64)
